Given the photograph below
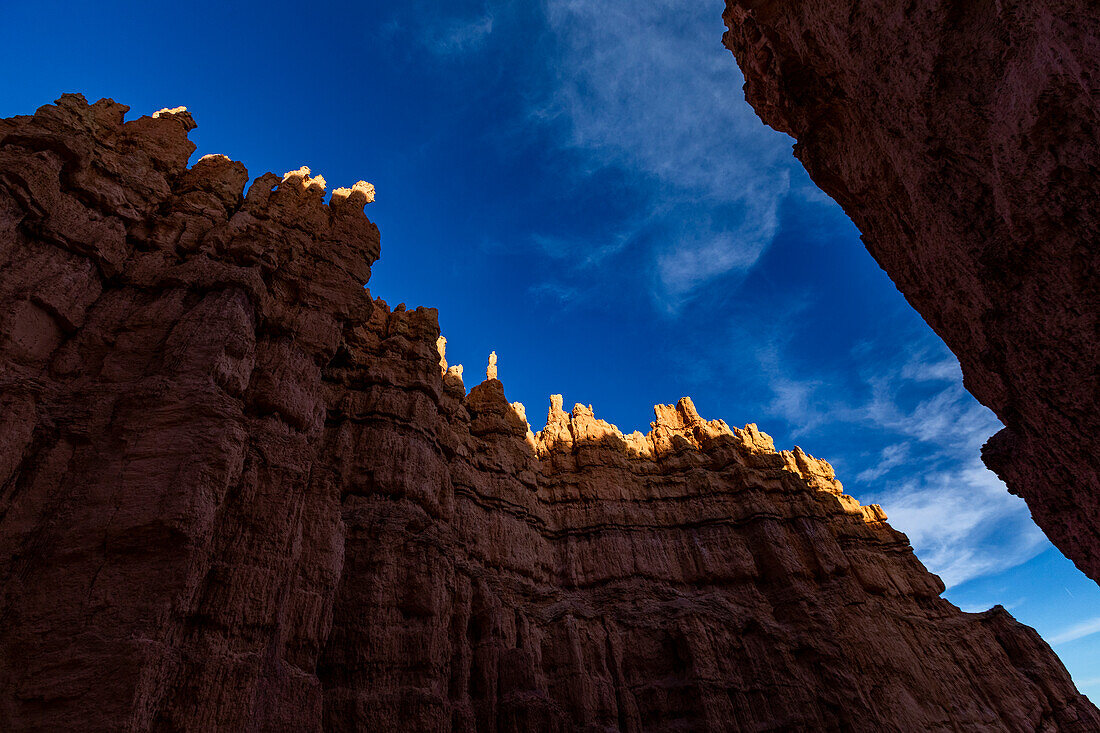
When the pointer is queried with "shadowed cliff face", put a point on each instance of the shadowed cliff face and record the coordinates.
(963, 138)
(239, 494)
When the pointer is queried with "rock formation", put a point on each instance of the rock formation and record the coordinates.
(963, 139)
(239, 494)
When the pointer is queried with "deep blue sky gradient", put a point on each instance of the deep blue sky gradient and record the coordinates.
(581, 187)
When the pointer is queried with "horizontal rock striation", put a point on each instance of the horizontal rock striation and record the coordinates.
(236, 493)
(963, 138)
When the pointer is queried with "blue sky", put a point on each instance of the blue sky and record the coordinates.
(580, 186)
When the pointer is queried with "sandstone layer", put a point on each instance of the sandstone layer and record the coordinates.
(963, 139)
(239, 494)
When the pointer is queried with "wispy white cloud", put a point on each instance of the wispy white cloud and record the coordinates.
(1078, 631)
(581, 252)
(962, 521)
(796, 401)
(930, 367)
(556, 293)
(891, 457)
(649, 89)
(950, 415)
(706, 250)
(1091, 687)
(462, 35)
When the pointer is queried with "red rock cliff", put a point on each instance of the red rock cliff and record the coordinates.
(963, 138)
(238, 494)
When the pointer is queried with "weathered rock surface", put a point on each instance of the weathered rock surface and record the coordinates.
(963, 138)
(238, 494)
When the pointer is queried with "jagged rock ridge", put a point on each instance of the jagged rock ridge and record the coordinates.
(239, 494)
(963, 139)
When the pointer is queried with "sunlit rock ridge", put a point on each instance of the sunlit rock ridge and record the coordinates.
(963, 139)
(240, 494)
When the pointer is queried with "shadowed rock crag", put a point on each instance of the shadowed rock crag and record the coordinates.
(963, 138)
(239, 494)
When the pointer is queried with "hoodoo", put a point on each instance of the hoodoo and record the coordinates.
(963, 139)
(239, 494)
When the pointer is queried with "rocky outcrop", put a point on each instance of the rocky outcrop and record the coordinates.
(239, 494)
(963, 138)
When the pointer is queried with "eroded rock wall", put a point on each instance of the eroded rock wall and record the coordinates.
(239, 494)
(963, 138)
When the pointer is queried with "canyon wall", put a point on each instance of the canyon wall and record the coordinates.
(963, 139)
(236, 493)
